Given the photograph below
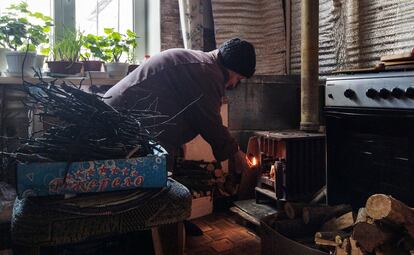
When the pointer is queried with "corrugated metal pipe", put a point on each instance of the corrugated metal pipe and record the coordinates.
(309, 65)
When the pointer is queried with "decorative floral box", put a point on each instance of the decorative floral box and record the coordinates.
(43, 179)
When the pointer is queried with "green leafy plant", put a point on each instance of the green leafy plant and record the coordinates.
(68, 47)
(111, 46)
(19, 26)
(94, 44)
(13, 32)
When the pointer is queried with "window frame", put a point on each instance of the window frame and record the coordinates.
(64, 14)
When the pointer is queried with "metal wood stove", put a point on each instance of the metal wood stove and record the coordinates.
(298, 161)
(370, 138)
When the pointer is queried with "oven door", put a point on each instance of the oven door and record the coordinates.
(369, 151)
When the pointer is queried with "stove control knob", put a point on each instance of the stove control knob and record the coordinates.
(409, 92)
(384, 93)
(372, 93)
(397, 92)
(349, 93)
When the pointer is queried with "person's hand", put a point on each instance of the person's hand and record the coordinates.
(249, 174)
(240, 162)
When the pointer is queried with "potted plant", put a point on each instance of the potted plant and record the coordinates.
(66, 53)
(3, 62)
(38, 32)
(93, 57)
(14, 35)
(22, 31)
(3, 47)
(113, 45)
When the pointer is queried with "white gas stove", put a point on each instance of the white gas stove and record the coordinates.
(374, 90)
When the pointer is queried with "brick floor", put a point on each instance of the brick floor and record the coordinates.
(222, 236)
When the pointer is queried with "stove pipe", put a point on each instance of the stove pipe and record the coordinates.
(309, 65)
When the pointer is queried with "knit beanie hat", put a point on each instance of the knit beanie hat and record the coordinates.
(238, 56)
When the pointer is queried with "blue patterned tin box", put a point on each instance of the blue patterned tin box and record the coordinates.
(43, 179)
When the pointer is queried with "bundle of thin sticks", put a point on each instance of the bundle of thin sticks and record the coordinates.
(87, 128)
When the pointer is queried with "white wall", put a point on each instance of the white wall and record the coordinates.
(153, 39)
(199, 149)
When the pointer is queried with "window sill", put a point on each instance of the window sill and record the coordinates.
(73, 80)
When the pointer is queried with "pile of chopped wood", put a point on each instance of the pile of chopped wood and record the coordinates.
(202, 177)
(385, 226)
(300, 222)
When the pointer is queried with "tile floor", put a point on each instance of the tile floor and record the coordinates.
(222, 236)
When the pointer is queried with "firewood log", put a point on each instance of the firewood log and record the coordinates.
(210, 167)
(355, 250)
(330, 238)
(344, 221)
(218, 173)
(371, 235)
(383, 207)
(362, 216)
(389, 249)
(325, 242)
(368, 234)
(340, 251)
(278, 216)
(344, 249)
(294, 210)
(407, 242)
(318, 215)
(196, 194)
(349, 247)
(294, 228)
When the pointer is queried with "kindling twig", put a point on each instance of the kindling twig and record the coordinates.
(83, 127)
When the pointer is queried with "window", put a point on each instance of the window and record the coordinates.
(93, 16)
(35, 6)
(42, 6)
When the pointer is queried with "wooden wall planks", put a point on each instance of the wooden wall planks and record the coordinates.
(354, 34)
(259, 21)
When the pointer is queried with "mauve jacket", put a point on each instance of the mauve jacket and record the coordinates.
(172, 80)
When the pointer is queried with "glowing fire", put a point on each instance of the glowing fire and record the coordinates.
(253, 162)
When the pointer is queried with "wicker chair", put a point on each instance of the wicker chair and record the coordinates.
(45, 221)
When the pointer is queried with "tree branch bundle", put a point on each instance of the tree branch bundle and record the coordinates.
(86, 127)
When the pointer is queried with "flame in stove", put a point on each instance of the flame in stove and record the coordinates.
(253, 162)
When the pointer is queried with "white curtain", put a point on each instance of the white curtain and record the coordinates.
(197, 24)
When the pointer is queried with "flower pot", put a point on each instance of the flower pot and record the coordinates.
(64, 67)
(39, 62)
(3, 62)
(15, 61)
(117, 70)
(92, 65)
